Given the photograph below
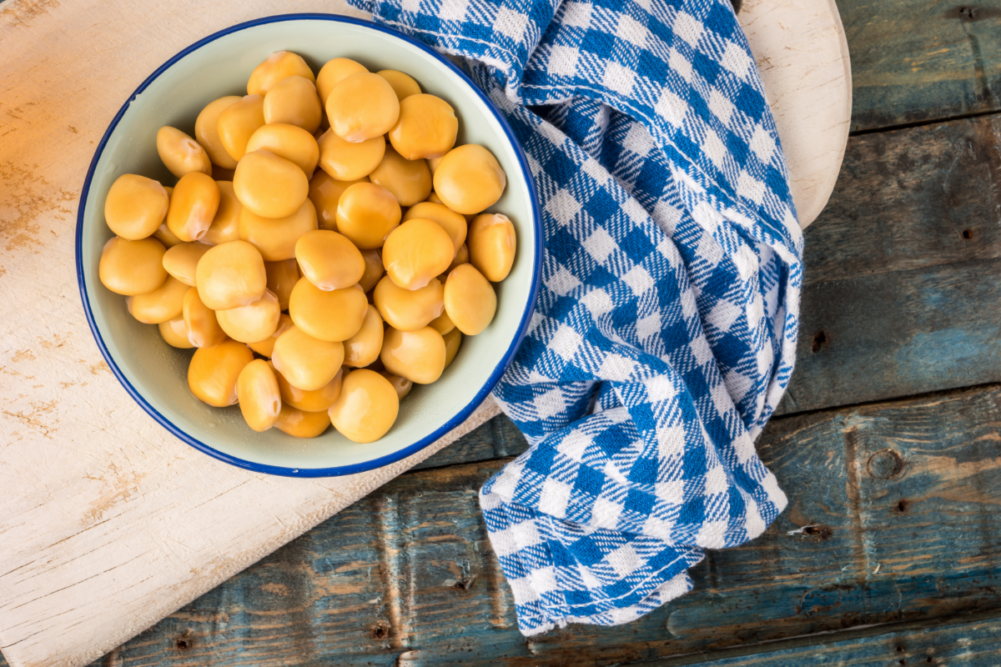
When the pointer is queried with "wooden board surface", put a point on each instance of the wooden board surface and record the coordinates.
(107, 522)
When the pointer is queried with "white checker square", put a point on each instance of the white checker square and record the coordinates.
(554, 497)
(701, 350)
(562, 61)
(648, 326)
(750, 188)
(715, 149)
(738, 384)
(574, 445)
(563, 282)
(618, 78)
(593, 168)
(634, 210)
(720, 106)
(552, 133)
(638, 279)
(616, 368)
(688, 28)
(671, 441)
(578, 15)
(667, 217)
(671, 108)
(411, 5)
(712, 535)
(672, 493)
(736, 60)
(588, 579)
(771, 487)
(506, 483)
(659, 388)
(563, 207)
(631, 30)
(605, 513)
(565, 342)
(598, 302)
(747, 263)
(753, 523)
(600, 245)
(624, 560)
(510, 23)
(723, 315)
(612, 472)
(522, 589)
(716, 481)
(659, 528)
(680, 64)
(763, 144)
(550, 403)
(453, 10)
(638, 140)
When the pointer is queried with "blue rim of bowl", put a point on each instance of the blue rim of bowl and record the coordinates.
(366, 465)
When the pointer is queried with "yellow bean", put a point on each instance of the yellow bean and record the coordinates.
(294, 101)
(374, 270)
(469, 179)
(132, 267)
(200, 321)
(252, 323)
(442, 324)
(180, 153)
(302, 424)
(193, 206)
(267, 346)
(306, 362)
(175, 333)
(165, 236)
(325, 192)
(318, 400)
(238, 122)
(367, 407)
(258, 395)
(409, 310)
(268, 185)
(408, 180)
(276, 237)
(401, 385)
(450, 221)
(333, 72)
(418, 355)
(207, 131)
(331, 316)
(403, 85)
(287, 141)
(461, 257)
(492, 245)
(282, 277)
(433, 197)
(427, 127)
(135, 206)
(275, 68)
(162, 304)
(231, 275)
(363, 348)
(348, 161)
(453, 340)
(181, 260)
(225, 225)
(470, 300)
(366, 214)
(433, 166)
(329, 260)
(362, 106)
(416, 252)
(214, 371)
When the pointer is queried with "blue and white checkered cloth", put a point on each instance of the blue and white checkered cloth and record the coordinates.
(665, 331)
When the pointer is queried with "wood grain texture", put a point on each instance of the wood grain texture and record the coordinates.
(894, 518)
(917, 61)
(108, 523)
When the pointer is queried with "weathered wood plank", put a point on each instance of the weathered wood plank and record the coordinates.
(407, 573)
(971, 641)
(918, 61)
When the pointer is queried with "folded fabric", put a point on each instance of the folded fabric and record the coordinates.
(665, 330)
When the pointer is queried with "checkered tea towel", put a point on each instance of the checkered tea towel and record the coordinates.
(665, 330)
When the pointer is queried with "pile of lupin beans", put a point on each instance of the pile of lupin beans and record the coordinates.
(314, 295)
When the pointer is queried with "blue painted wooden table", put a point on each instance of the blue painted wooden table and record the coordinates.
(888, 442)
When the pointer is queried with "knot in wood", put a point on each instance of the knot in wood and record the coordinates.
(885, 464)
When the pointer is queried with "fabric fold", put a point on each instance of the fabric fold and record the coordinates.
(665, 330)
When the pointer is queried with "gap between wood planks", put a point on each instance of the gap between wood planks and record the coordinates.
(922, 123)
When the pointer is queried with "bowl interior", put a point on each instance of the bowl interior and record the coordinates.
(157, 372)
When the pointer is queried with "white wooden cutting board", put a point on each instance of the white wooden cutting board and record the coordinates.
(108, 523)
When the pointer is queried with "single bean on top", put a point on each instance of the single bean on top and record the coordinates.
(326, 245)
